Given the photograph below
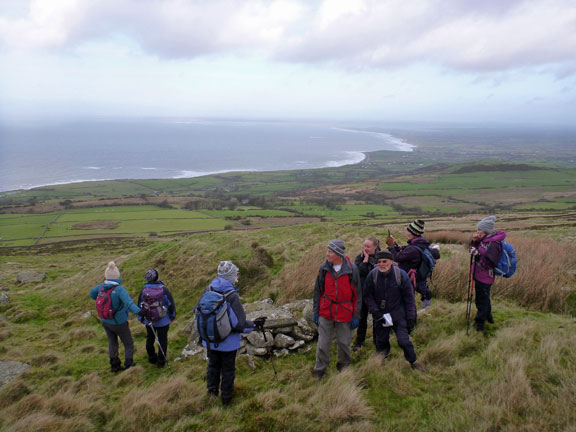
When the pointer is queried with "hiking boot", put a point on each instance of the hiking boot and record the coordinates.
(152, 359)
(318, 374)
(115, 365)
(340, 367)
(213, 392)
(356, 347)
(426, 303)
(490, 319)
(418, 366)
(226, 401)
(160, 364)
(128, 364)
(478, 326)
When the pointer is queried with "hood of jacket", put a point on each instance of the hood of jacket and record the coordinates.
(221, 285)
(346, 267)
(495, 236)
(111, 283)
(421, 242)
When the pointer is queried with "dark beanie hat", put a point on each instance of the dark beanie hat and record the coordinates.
(152, 275)
(416, 227)
(384, 254)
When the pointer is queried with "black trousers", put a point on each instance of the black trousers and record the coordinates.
(423, 290)
(362, 325)
(483, 303)
(221, 365)
(382, 340)
(162, 333)
(122, 331)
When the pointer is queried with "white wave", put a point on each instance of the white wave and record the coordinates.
(397, 143)
(189, 174)
(28, 186)
(148, 169)
(351, 159)
(92, 168)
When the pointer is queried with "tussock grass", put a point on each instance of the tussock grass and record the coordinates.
(5, 334)
(540, 281)
(45, 359)
(47, 422)
(298, 281)
(449, 237)
(13, 392)
(176, 397)
(80, 334)
(340, 399)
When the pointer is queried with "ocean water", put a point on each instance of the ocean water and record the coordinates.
(33, 155)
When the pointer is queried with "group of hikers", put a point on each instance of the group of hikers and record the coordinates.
(380, 282)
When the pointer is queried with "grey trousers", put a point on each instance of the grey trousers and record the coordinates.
(343, 334)
(122, 331)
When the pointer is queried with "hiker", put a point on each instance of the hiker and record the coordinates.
(337, 303)
(365, 262)
(409, 258)
(115, 321)
(157, 300)
(390, 299)
(485, 248)
(222, 355)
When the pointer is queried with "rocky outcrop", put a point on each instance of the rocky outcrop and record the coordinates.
(9, 370)
(288, 328)
(26, 276)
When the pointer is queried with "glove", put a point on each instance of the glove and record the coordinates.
(259, 323)
(354, 324)
(390, 241)
(473, 251)
(143, 313)
(316, 318)
(377, 315)
(410, 324)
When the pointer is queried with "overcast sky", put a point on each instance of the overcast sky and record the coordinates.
(408, 60)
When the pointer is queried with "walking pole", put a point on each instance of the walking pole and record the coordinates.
(270, 354)
(470, 294)
(159, 345)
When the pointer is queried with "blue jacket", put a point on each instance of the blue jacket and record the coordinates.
(121, 301)
(168, 302)
(237, 317)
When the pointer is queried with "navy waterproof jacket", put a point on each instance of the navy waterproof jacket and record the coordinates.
(409, 257)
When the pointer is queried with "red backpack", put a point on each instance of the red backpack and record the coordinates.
(104, 303)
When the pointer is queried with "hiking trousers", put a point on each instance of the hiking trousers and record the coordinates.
(122, 331)
(423, 290)
(483, 303)
(221, 364)
(382, 340)
(162, 333)
(326, 329)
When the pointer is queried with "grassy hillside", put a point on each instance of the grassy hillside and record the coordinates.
(518, 376)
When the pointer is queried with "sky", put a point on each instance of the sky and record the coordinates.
(508, 61)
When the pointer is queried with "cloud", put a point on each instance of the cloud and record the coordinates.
(484, 36)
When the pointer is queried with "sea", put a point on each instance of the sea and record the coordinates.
(34, 154)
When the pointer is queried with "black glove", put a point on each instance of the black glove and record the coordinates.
(143, 313)
(259, 323)
(377, 315)
(410, 324)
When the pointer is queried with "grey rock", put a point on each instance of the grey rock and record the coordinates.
(282, 353)
(283, 341)
(298, 334)
(255, 351)
(86, 315)
(26, 276)
(256, 339)
(308, 315)
(4, 298)
(297, 345)
(283, 330)
(4, 289)
(10, 370)
(191, 350)
(305, 328)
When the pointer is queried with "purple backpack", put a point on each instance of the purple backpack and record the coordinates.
(153, 302)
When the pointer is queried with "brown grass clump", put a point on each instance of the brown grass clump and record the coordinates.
(450, 237)
(13, 392)
(25, 406)
(271, 399)
(172, 399)
(5, 334)
(44, 359)
(298, 281)
(46, 422)
(340, 399)
(80, 334)
(514, 392)
(539, 283)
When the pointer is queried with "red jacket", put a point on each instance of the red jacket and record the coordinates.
(338, 297)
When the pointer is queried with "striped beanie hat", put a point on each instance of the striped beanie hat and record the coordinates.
(337, 246)
(416, 227)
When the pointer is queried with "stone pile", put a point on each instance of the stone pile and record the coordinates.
(288, 328)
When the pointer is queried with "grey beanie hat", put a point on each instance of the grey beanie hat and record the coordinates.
(487, 224)
(112, 271)
(151, 275)
(227, 270)
(337, 246)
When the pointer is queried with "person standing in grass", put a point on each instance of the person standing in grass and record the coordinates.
(485, 248)
(117, 326)
(409, 257)
(390, 299)
(158, 301)
(221, 369)
(337, 303)
(365, 262)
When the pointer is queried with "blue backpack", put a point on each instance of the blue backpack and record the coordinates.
(506, 266)
(212, 319)
(427, 264)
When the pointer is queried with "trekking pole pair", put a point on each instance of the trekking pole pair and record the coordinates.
(470, 293)
(259, 323)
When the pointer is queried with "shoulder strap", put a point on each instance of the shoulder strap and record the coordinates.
(397, 275)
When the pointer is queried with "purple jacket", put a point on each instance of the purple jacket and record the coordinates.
(409, 257)
(490, 249)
